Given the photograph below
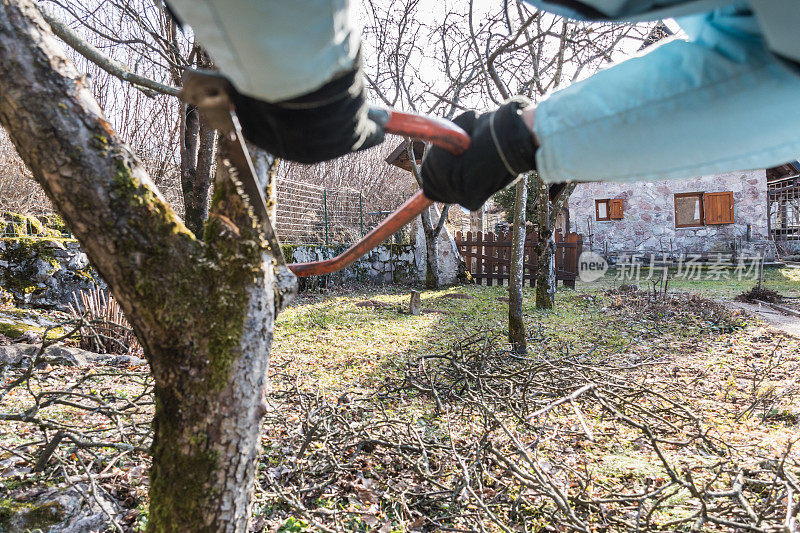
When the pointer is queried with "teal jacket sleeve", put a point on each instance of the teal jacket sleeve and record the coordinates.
(275, 49)
(716, 103)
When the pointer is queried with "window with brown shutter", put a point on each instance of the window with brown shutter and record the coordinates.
(719, 207)
(615, 209)
(689, 209)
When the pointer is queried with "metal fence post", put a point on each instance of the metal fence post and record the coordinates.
(325, 207)
(361, 211)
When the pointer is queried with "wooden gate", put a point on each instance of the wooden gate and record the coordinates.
(488, 256)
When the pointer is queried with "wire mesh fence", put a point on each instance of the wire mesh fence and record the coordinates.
(306, 213)
(311, 214)
(40, 226)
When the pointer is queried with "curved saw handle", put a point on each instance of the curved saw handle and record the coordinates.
(439, 132)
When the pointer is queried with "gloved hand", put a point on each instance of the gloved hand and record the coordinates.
(327, 123)
(502, 147)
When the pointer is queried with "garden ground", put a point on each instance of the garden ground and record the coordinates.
(630, 413)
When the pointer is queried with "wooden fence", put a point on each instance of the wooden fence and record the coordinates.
(488, 256)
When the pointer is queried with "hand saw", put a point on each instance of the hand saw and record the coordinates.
(210, 92)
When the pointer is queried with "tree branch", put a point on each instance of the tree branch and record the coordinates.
(113, 67)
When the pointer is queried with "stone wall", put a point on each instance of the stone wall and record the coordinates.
(45, 272)
(395, 263)
(388, 263)
(648, 223)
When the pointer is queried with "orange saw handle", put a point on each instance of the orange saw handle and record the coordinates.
(439, 132)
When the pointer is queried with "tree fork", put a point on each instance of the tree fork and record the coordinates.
(203, 311)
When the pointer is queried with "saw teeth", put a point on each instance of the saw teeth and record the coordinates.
(233, 174)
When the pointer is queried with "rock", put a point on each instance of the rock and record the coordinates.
(15, 322)
(30, 337)
(57, 510)
(57, 245)
(46, 272)
(78, 262)
(43, 270)
(127, 360)
(69, 356)
(16, 354)
(19, 354)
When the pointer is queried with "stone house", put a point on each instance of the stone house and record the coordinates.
(725, 213)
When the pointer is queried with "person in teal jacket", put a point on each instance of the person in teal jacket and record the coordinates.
(727, 99)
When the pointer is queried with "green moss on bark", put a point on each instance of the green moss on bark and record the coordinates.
(180, 474)
(208, 303)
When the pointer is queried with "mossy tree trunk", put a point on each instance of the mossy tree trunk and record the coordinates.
(544, 246)
(516, 325)
(197, 144)
(198, 141)
(203, 311)
(549, 201)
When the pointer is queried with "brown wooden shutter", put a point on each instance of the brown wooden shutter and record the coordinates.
(615, 209)
(718, 207)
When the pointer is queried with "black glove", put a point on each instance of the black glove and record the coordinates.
(502, 147)
(325, 124)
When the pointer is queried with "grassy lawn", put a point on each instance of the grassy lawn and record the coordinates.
(333, 342)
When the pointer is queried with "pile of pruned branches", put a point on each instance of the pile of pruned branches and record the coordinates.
(476, 438)
(83, 429)
(518, 443)
(683, 309)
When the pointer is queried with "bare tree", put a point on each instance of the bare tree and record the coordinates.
(549, 201)
(544, 246)
(394, 36)
(529, 52)
(203, 311)
(516, 327)
(480, 56)
(109, 37)
(431, 231)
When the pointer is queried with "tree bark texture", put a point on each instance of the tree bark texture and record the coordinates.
(431, 256)
(549, 201)
(198, 141)
(516, 325)
(544, 247)
(203, 311)
(476, 220)
(556, 203)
